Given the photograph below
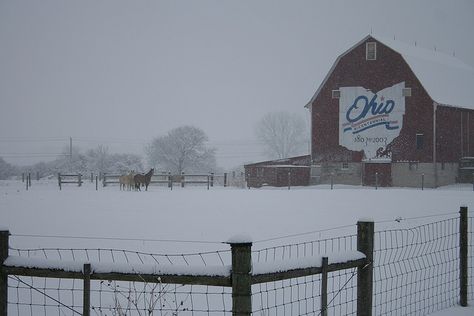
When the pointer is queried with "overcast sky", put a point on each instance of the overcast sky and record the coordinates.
(119, 73)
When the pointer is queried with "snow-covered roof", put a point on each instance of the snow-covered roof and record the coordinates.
(446, 79)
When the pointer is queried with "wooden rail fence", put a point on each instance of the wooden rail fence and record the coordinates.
(69, 179)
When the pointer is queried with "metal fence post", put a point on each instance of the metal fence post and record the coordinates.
(463, 255)
(365, 244)
(4, 236)
(86, 302)
(241, 279)
(289, 180)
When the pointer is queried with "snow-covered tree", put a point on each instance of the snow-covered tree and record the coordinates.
(123, 163)
(6, 170)
(283, 134)
(182, 149)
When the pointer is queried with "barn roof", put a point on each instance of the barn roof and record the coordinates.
(447, 80)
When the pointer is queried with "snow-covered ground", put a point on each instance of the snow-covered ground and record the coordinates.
(202, 219)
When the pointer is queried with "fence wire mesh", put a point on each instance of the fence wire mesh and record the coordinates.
(302, 295)
(51, 296)
(470, 292)
(416, 270)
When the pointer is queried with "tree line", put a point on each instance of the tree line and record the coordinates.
(182, 149)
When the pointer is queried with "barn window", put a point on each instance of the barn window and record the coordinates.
(371, 51)
(419, 141)
(406, 92)
(345, 166)
(336, 94)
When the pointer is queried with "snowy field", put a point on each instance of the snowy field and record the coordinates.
(196, 219)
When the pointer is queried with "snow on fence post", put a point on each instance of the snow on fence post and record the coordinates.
(4, 235)
(86, 302)
(241, 278)
(324, 287)
(463, 255)
(365, 244)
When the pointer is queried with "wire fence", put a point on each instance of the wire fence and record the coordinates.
(302, 296)
(59, 296)
(416, 271)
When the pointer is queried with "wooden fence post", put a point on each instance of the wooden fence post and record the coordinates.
(289, 180)
(59, 180)
(241, 279)
(29, 179)
(212, 179)
(4, 236)
(365, 244)
(324, 287)
(104, 180)
(96, 183)
(463, 255)
(225, 179)
(86, 302)
(182, 179)
(422, 181)
(79, 179)
(376, 180)
(23, 177)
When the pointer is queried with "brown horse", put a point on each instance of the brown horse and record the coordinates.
(143, 179)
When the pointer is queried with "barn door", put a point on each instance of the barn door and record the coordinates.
(382, 172)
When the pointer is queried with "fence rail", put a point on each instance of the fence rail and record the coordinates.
(408, 271)
(169, 179)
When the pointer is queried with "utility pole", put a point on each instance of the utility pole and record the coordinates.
(70, 154)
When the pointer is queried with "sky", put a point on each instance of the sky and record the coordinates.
(120, 73)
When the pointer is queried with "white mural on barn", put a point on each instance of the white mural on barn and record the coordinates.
(370, 122)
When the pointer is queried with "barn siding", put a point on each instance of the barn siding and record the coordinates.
(454, 126)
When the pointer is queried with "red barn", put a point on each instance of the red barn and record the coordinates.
(393, 113)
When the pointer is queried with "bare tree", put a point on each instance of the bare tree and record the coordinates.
(283, 134)
(183, 148)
